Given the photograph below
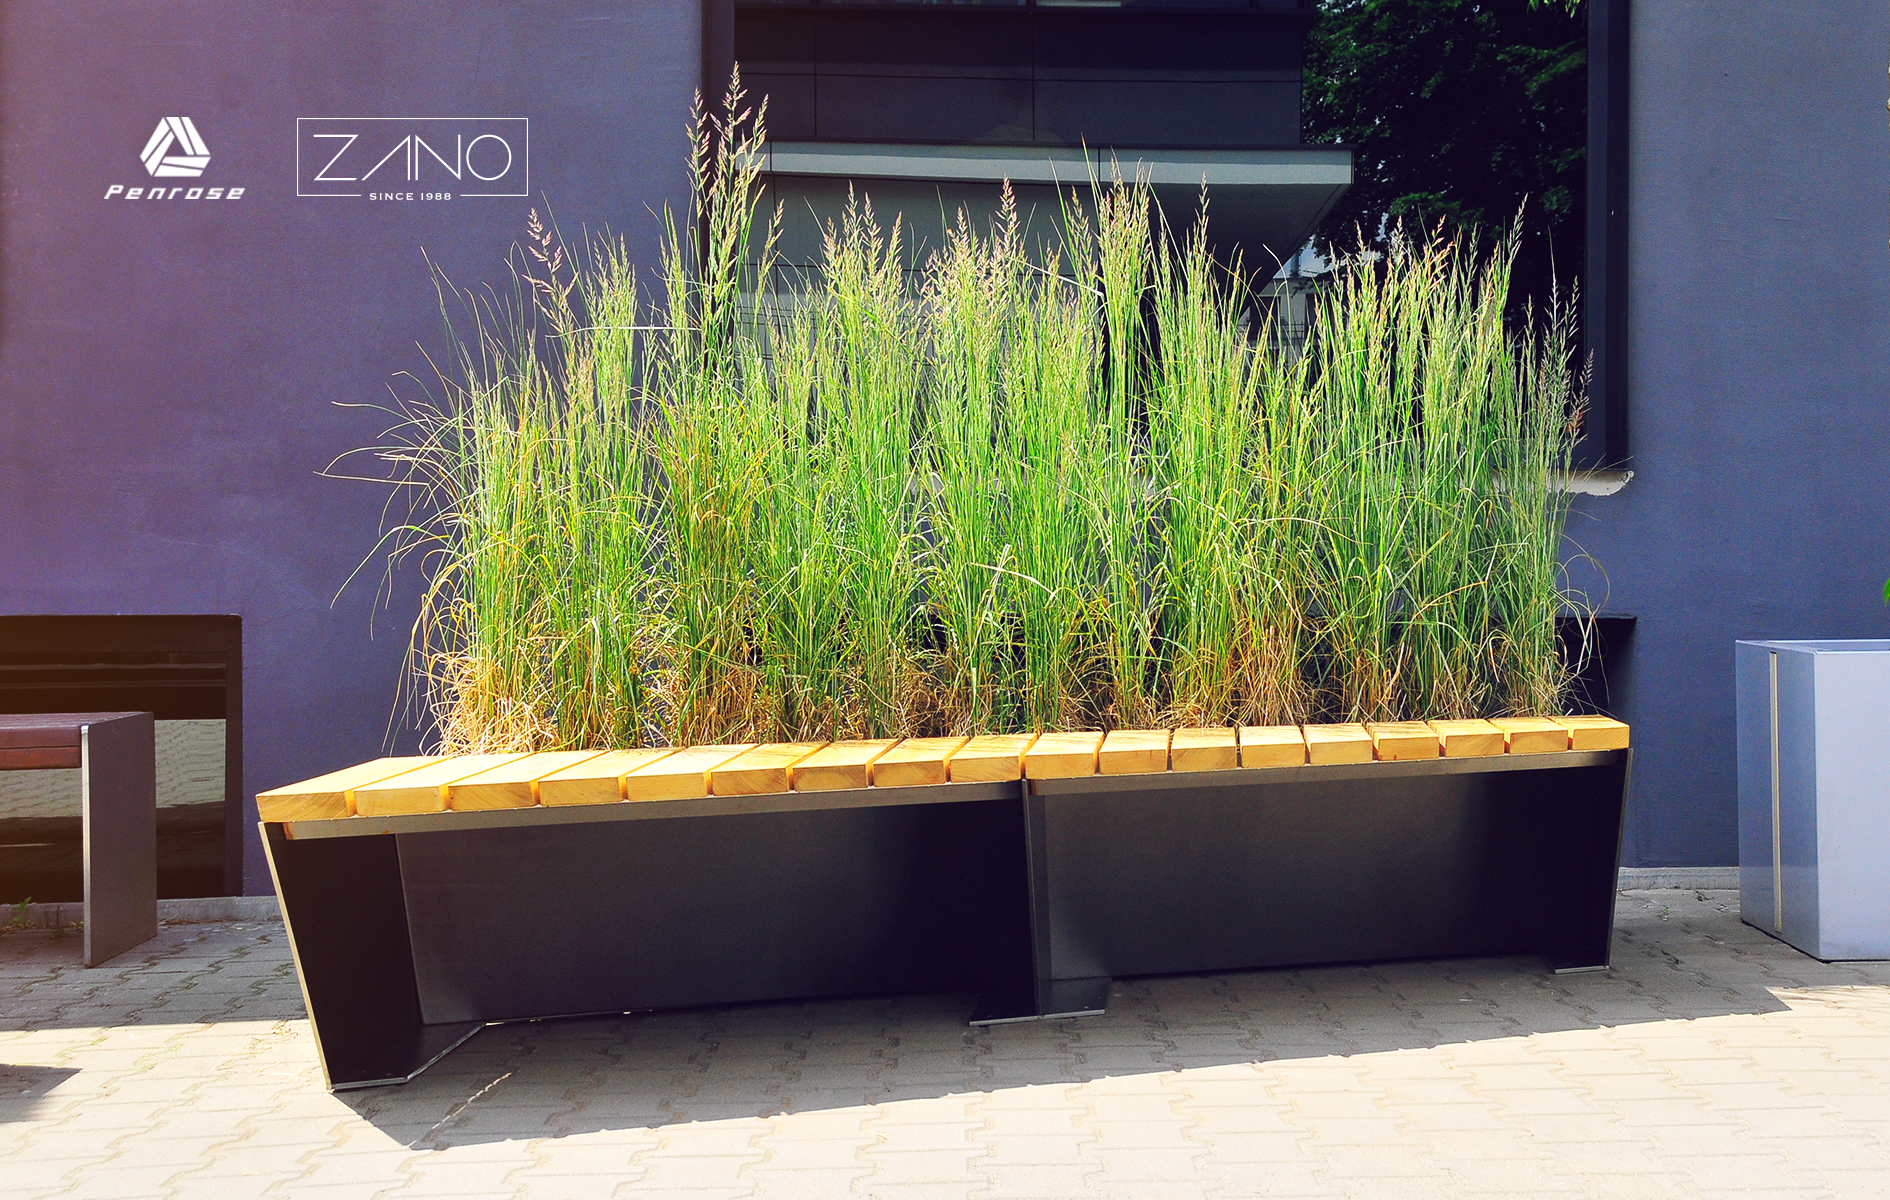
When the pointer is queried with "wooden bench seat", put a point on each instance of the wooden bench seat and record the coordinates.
(564, 777)
(43, 741)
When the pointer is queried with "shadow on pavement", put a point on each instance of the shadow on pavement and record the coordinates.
(1677, 956)
(23, 1088)
(572, 1076)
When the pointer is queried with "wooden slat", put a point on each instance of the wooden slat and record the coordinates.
(40, 758)
(39, 733)
(1469, 739)
(761, 771)
(683, 775)
(1532, 735)
(1272, 746)
(916, 762)
(513, 784)
(991, 758)
(326, 797)
(841, 765)
(1338, 744)
(1062, 755)
(422, 790)
(1403, 741)
(46, 729)
(1594, 733)
(1133, 752)
(598, 780)
(1204, 750)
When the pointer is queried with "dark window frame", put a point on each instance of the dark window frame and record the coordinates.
(1605, 270)
(1605, 266)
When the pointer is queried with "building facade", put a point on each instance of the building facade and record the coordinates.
(180, 371)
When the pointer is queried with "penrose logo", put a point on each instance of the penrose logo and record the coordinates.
(175, 150)
(413, 158)
(172, 132)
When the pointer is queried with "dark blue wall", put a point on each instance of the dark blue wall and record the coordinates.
(1759, 379)
(169, 372)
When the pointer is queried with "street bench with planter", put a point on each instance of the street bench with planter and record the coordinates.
(426, 897)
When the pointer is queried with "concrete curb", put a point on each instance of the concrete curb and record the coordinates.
(181, 912)
(1688, 879)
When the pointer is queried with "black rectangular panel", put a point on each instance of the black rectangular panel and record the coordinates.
(775, 40)
(1270, 875)
(1177, 44)
(343, 909)
(863, 108)
(791, 113)
(1576, 821)
(119, 814)
(174, 667)
(713, 910)
(926, 41)
(1605, 262)
(1113, 113)
(1241, 871)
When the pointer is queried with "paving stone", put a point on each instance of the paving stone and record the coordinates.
(1147, 1164)
(164, 1149)
(1011, 1149)
(903, 1168)
(1202, 1091)
(1427, 1119)
(1498, 1145)
(25, 1170)
(1648, 1185)
(1358, 1103)
(1472, 1175)
(1037, 1182)
(1275, 1179)
(365, 1173)
(806, 1184)
(946, 1189)
(1606, 1158)
(1577, 1127)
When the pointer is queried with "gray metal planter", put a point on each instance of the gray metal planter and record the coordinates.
(1814, 794)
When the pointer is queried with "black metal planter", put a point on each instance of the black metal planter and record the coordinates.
(1224, 870)
(411, 933)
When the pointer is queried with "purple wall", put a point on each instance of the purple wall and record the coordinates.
(1759, 381)
(169, 371)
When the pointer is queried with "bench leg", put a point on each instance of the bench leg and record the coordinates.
(118, 767)
(1580, 819)
(1041, 997)
(345, 910)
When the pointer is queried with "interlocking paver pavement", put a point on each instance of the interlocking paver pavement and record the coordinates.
(1712, 1061)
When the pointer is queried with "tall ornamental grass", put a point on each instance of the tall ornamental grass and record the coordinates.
(1064, 484)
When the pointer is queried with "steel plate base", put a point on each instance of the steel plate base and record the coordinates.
(1064, 998)
(400, 1058)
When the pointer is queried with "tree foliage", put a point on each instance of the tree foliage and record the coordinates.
(1464, 112)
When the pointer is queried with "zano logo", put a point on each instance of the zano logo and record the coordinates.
(175, 150)
(412, 158)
